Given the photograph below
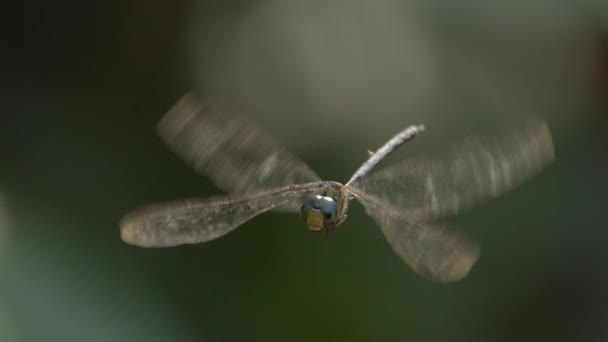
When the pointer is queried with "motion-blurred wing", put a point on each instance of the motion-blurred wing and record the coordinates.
(223, 145)
(198, 220)
(433, 250)
(436, 252)
(429, 188)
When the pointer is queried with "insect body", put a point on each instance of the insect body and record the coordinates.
(327, 210)
(408, 200)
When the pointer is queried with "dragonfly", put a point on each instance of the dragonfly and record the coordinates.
(409, 200)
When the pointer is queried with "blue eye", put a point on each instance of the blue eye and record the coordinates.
(328, 208)
(311, 203)
(319, 212)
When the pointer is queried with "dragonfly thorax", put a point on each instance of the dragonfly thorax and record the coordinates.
(325, 211)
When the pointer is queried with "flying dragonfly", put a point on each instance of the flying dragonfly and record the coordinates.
(409, 200)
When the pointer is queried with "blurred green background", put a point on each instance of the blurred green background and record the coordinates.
(83, 85)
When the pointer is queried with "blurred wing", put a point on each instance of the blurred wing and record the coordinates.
(435, 251)
(198, 220)
(235, 154)
(430, 188)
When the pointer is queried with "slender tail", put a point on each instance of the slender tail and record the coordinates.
(375, 158)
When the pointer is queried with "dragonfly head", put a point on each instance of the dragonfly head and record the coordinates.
(320, 213)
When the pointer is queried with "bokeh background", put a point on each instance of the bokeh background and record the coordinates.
(83, 84)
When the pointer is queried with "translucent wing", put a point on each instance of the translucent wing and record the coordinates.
(224, 146)
(429, 188)
(434, 251)
(200, 220)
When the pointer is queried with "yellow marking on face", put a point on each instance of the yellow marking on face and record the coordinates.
(314, 220)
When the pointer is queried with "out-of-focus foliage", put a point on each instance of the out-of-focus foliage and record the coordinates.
(84, 84)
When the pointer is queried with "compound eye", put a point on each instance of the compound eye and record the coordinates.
(328, 207)
(319, 212)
